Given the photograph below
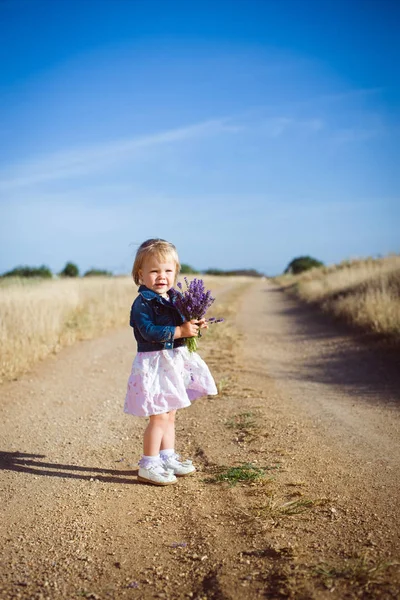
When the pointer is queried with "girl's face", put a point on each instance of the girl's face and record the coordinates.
(158, 276)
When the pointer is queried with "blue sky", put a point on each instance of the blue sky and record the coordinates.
(246, 132)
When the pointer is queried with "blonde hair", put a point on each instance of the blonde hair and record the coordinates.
(158, 248)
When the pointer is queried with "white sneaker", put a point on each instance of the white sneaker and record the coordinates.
(156, 475)
(180, 468)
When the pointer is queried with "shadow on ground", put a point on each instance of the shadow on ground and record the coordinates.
(32, 464)
(328, 351)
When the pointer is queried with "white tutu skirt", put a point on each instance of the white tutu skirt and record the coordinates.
(166, 380)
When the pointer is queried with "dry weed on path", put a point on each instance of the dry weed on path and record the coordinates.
(320, 523)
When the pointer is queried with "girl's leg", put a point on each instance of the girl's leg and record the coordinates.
(168, 440)
(151, 468)
(154, 434)
(170, 459)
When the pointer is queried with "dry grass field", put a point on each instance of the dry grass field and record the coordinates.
(39, 317)
(365, 293)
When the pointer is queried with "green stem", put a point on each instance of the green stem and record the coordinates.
(191, 343)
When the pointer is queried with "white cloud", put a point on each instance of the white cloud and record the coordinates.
(348, 95)
(353, 134)
(314, 124)
(81, 161)
(276, 127)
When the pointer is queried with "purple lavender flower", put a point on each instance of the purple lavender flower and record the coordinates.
(193, 303)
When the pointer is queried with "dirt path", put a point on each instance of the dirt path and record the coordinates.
(311, 407)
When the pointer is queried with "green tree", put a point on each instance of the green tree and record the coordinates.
(233, 272)
(25, 271)
(70, 270)
(214, 271)
(97, 273)
(302, 263)
(187, 269)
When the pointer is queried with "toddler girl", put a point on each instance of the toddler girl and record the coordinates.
(165, 375)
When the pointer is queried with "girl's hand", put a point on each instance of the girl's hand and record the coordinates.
(202, 323)
(189, 329)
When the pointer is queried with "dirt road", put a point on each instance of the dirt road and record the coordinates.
(301, 402)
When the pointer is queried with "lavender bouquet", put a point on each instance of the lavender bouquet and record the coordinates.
(193, 303)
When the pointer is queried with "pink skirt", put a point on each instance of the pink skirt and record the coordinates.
(166, 380)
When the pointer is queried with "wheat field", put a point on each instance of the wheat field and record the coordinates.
(365, 293)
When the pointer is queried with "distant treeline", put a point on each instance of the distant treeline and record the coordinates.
(188, 270)
(71, 270)
(246, 272)
(42, 271)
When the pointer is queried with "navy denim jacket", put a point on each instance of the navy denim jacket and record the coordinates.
(154, 320)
